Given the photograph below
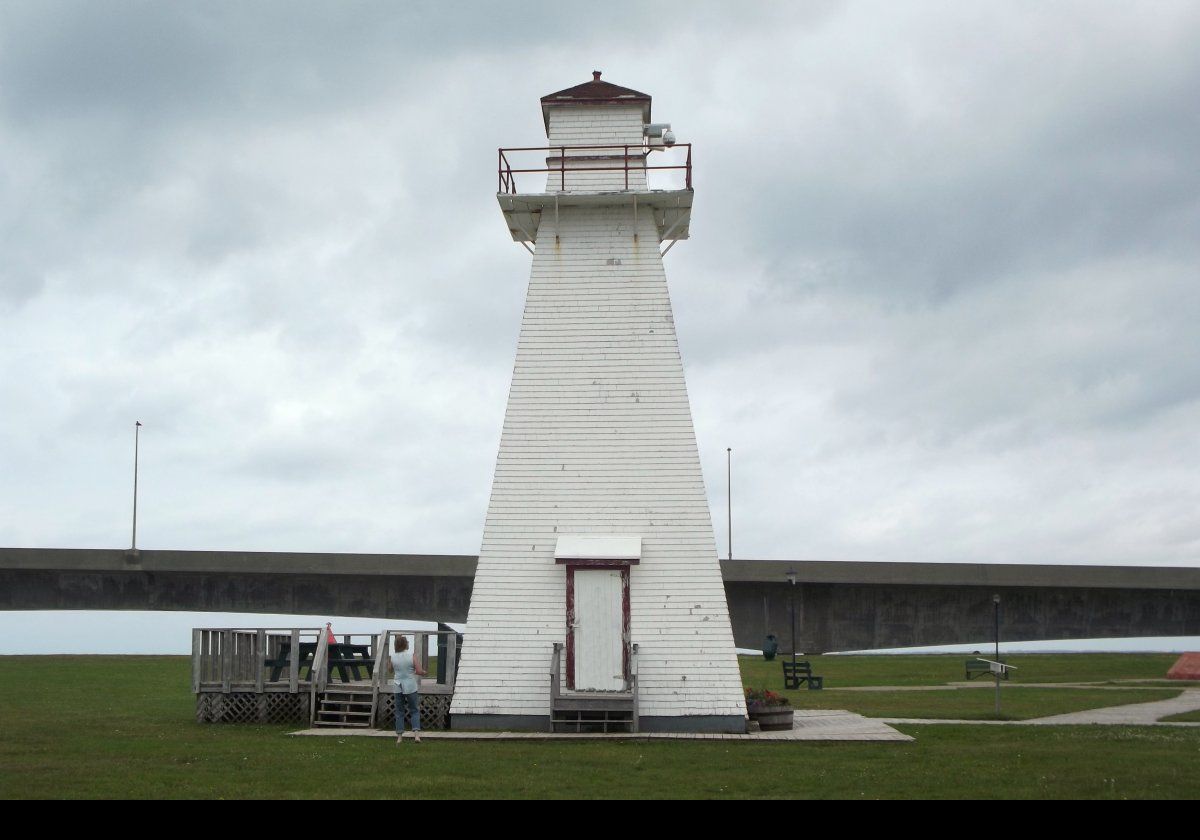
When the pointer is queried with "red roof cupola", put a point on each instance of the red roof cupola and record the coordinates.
(595, 93)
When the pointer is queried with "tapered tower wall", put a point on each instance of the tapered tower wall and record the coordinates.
(598, 440)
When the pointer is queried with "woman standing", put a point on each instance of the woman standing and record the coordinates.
(406, 669)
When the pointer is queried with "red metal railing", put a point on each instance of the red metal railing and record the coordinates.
(506, 174)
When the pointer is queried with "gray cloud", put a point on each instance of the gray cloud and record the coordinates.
(940, 297)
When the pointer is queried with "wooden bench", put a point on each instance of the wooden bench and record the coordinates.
(795, 673)
(980, 667)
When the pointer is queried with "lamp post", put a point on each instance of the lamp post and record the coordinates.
(729, 495)
(791, 576)
(996, 668)
(137, 428)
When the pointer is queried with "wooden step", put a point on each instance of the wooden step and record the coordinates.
(350, 707)
(580, 720)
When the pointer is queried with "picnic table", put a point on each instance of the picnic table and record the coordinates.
(346, 658)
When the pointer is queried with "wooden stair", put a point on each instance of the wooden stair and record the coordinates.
(592, 711)
(346, 708)
(591, 718)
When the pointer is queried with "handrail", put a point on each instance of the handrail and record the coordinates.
(506, 174)
(555, 679)
(633, 683)
(380, 654)
(377, 675)
(317, 676)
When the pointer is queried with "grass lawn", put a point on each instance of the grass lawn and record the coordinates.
(123, 727)
(1186, 717)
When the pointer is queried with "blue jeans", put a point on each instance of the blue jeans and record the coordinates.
(413, 702)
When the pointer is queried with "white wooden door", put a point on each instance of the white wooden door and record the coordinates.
(599, 648)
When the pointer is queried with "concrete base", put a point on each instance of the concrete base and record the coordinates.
(723, 724)
(809, 725)
(501, 723)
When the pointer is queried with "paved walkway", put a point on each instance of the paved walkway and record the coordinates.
(990, 685)
(1133, 714)
(808, 725)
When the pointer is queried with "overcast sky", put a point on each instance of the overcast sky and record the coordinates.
(941, 295)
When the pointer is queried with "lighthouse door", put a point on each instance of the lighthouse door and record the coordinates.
(598, 629)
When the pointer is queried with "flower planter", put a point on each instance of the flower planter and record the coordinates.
(772, 718)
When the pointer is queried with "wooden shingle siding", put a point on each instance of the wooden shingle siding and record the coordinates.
(607, 126)
(598, 438)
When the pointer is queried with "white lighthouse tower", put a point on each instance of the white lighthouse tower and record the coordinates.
(598, 601)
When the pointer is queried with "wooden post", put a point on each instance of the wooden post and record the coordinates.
(240, 649)
(197, 658)
(248, 657)
(260, 659)
(451, 658)
(206, 653)
(294, 664)
(226, 659)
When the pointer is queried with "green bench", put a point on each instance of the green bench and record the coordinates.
(981, 667)
(795, 673)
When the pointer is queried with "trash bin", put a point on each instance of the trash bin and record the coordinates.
(770, 647)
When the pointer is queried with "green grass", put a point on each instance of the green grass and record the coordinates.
(77, 727)
(1186, 717)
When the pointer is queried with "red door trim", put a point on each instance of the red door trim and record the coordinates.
(571, 566)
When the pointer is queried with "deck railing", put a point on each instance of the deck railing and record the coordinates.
(446, 650)
(260, 659)
(250, 659)
(624, 154)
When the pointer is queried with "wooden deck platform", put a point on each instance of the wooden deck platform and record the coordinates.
(295, 675)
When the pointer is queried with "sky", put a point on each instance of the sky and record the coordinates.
(940, 297)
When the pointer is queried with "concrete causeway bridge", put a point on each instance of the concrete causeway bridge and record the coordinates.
(839, 605)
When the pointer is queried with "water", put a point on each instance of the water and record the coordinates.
(144, 632)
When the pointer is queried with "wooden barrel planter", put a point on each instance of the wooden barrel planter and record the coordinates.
(772, 718)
